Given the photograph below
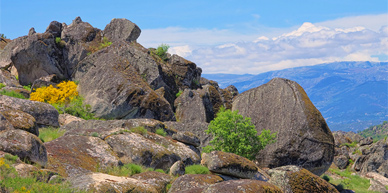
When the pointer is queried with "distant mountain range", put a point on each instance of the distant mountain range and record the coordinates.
(350, 95)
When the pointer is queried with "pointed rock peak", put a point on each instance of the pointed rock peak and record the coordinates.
(31, 31)
(122, 29)
(77, 20)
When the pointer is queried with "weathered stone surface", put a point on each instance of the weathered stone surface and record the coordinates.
(23, 144)
(303, 137)
(187, 137)
(8, 79)
(376, 159)
(5, 124)
(74, 155)
(99, 182)
(114, 88)
(341, 137)
(366, 141)
(156, 179)
(64, 119)
(150, 150)
(229, 164)
(177, 169)
(43, 113)
(54, 28)
(45, 81)
(194, 106)
(198, 128)
(377, 181)
(21, 120)
(122, 29)
(341, 161)
(187, 73)
(105, 128)
(242, 186)
(376, 186)
(296, 179)
(193, 183)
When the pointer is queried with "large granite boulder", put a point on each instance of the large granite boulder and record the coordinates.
(374, 160)
(193, 183)
(122, 29)
(21, 120)
(296, 179)
(113, 87)
(303, 137)
(99, 182)
(23, 144)
(44, 113)
(75, 155)
(5, 124)
(242, 186)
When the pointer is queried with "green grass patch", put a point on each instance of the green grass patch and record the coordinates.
(125, 170)
(76, 107)
(161, 132)
(348, 181)
(179, 93)
(139, 130)
(27, 87)
(196, 169)
(353, 144)
(50, 133)
(2, 85)
(12, 94)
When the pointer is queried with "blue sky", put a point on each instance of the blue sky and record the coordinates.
(228, 36)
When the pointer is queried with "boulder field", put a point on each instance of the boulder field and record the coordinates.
(131, 87)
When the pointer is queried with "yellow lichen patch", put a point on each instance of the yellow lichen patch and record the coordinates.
(64, 92)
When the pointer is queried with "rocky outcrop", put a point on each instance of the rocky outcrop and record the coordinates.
(43, 113)
(187, 138)
(156, 179)
(5, 124)
(122, 30)
(113, 87)
(8, 79)
(303, 137)
(374, 160)
(242, 186)
(177, 169)
(232, 165)
(198, 128)
(193, 183)
(74, 155)
(21, 120)
(295, 179)
(23, 144)
(99, 182)
(366, 141)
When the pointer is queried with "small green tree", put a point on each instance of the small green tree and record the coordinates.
(236, 134)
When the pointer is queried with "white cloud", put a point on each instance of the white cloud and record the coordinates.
(225, 51)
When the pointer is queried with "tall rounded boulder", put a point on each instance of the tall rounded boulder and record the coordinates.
(303, 137)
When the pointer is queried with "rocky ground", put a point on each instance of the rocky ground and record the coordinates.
(132, 89)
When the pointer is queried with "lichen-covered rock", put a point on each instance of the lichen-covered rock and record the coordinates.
(303, 137)
(4, 123)
(43, 113)
(105, 128)
(229, 164)
(115, 89)
(198, 128)
(187, 137)
(74, 155)
(21, 120)
(8, 79)
(122, 29)
(23, 144)
(242, 186)
(341, 161)
(187, 73)
(101, 183)
(45, 81)
(366, 141)
(177, 169)
(296, 179)
(150, 150)
(156, 179)
(193, 183)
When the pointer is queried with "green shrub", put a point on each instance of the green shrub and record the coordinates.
(236, 134)
(2, 85)
(196, 169)
(325, 177)
(27, 87)
(50, 133)
(161, 132)
(161, 51)
(76, 107)
(179, 93)
(160, 170)
(12, 93)
(139, 130)
(125, 170)
(95, 134)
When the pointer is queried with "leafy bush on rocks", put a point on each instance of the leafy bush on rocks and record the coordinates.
(236, 134)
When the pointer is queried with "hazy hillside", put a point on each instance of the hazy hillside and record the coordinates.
(377, 132)
(350, 95)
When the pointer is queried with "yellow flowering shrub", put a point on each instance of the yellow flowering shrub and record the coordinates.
(65, 92)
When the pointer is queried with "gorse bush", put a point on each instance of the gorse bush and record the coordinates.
(65, 92)
(236, 134)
